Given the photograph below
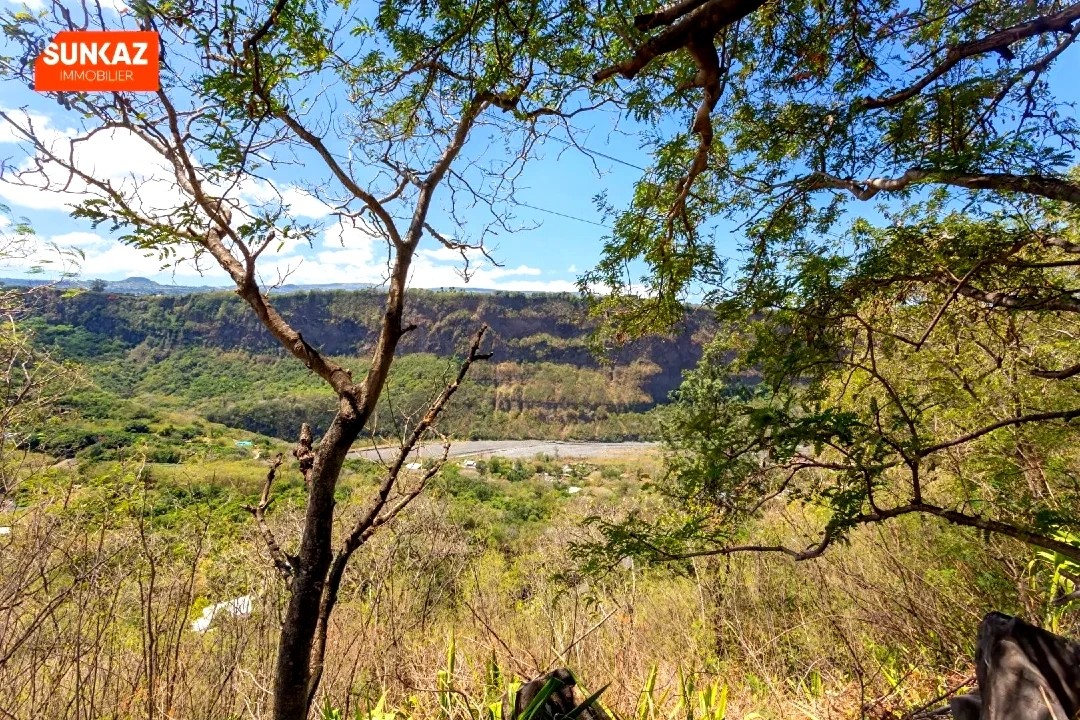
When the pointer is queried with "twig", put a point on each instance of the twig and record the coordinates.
(915, 712)
(281, 560)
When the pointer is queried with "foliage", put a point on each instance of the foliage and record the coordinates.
(918, 359)
(824, 104)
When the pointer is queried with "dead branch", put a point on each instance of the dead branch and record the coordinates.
(357, 536)
(378, 514)
(281, 560)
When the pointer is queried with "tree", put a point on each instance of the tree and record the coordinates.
(249, 91)
(35, 559)
(919, 360)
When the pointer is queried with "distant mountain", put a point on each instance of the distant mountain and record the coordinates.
(146, 286)
(128, 286)
(526, 328)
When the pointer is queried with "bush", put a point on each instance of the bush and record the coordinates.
(517, 472)
(166, 455)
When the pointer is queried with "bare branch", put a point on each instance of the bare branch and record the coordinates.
(378, 514)
(357, 536)
(281, 560)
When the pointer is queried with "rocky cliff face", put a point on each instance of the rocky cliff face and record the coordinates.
(525, 328)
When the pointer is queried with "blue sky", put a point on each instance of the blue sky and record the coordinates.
(561, 233)
(561, 236)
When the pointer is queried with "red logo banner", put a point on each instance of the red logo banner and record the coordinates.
(99, 61)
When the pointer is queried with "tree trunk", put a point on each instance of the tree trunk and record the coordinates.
(292, 676)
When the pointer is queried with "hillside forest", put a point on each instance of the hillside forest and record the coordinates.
(810, 417)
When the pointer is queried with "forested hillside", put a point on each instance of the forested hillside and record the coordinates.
(207, 353)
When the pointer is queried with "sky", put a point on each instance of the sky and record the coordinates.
(560, 237)
(560, 231)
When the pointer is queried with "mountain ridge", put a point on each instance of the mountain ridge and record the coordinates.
(525, 328)
(138, 285)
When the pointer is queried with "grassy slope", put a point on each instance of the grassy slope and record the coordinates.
(152, 501)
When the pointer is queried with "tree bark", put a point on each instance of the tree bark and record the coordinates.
(293, 669)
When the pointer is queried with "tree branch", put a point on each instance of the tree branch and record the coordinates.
(828, 537)
(666, 15)
(706, 20)
(1063, 374)
(1000, 41)
(281, 560)
(1051, 188)
(1065, 415)
(375, 517)
(1062, 302)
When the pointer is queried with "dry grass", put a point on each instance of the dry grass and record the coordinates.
(95, 620)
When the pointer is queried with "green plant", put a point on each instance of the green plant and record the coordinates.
(1060, 590)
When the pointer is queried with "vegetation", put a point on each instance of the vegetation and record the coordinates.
(481, 563)
(538, 385)
(917, 360)
(890, 393)
(269, 394)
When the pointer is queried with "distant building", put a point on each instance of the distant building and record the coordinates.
(244, 443)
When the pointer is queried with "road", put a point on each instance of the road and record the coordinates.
(517, 449)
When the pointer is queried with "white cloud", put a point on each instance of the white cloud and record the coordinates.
(301, 203)
(357, 255)
(131, 166)
(108, 258)
(117, 6)
(31, 4)
(82, 240)
(360, 258)
(116, 156)
(343, 253)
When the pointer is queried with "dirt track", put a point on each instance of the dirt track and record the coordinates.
(518, 449)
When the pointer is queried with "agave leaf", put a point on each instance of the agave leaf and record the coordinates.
(585, 704)
(541, 698)
(721, 704)
(646, 705)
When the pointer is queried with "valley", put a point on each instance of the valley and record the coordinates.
(481, 449)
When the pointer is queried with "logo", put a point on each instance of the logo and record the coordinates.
(99, 61)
